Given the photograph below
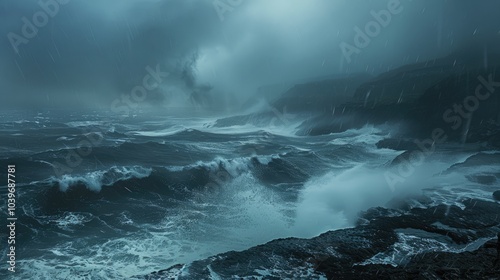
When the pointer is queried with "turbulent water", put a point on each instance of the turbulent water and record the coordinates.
(150, 193)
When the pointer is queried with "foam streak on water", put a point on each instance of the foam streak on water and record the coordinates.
(163, 192)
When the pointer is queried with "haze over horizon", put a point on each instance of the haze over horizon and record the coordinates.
(92, 52)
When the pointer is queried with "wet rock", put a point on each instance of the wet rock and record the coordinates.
(476, 160)
(407, 157)
(477, 264)
(170, 273)
(496, 195)
(484, 179)
(321, 95)
(346, 253)
(397, 144)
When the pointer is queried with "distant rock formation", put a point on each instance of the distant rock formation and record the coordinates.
(321, 95)
(496, 195)
(459, 94)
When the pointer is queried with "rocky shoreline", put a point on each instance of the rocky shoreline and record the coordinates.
(457, 94)
(438, 242)
(426, 241)
(477, 264)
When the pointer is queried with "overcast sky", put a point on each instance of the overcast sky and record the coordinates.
(92, 51)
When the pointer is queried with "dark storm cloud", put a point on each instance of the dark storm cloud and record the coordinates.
(92, 51)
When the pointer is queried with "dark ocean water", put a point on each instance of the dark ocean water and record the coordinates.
(104, 197)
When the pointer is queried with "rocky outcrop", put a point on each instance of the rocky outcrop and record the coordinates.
(405, 84)
(441, 242)
(463, 106)
(458, 94)
(321, 95)
(397, 144)
(476, 264)
(496, 195)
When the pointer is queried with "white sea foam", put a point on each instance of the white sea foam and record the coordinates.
(97, 179)
(368, 135)
(69, 220)
(409, 245)
(64, 138)
(332, 201)
(239, 214)
(280, 130)
(234, 166)
(84, 123)
(163, 132)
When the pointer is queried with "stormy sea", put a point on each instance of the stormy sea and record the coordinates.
(228, 139)
(106, 197)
